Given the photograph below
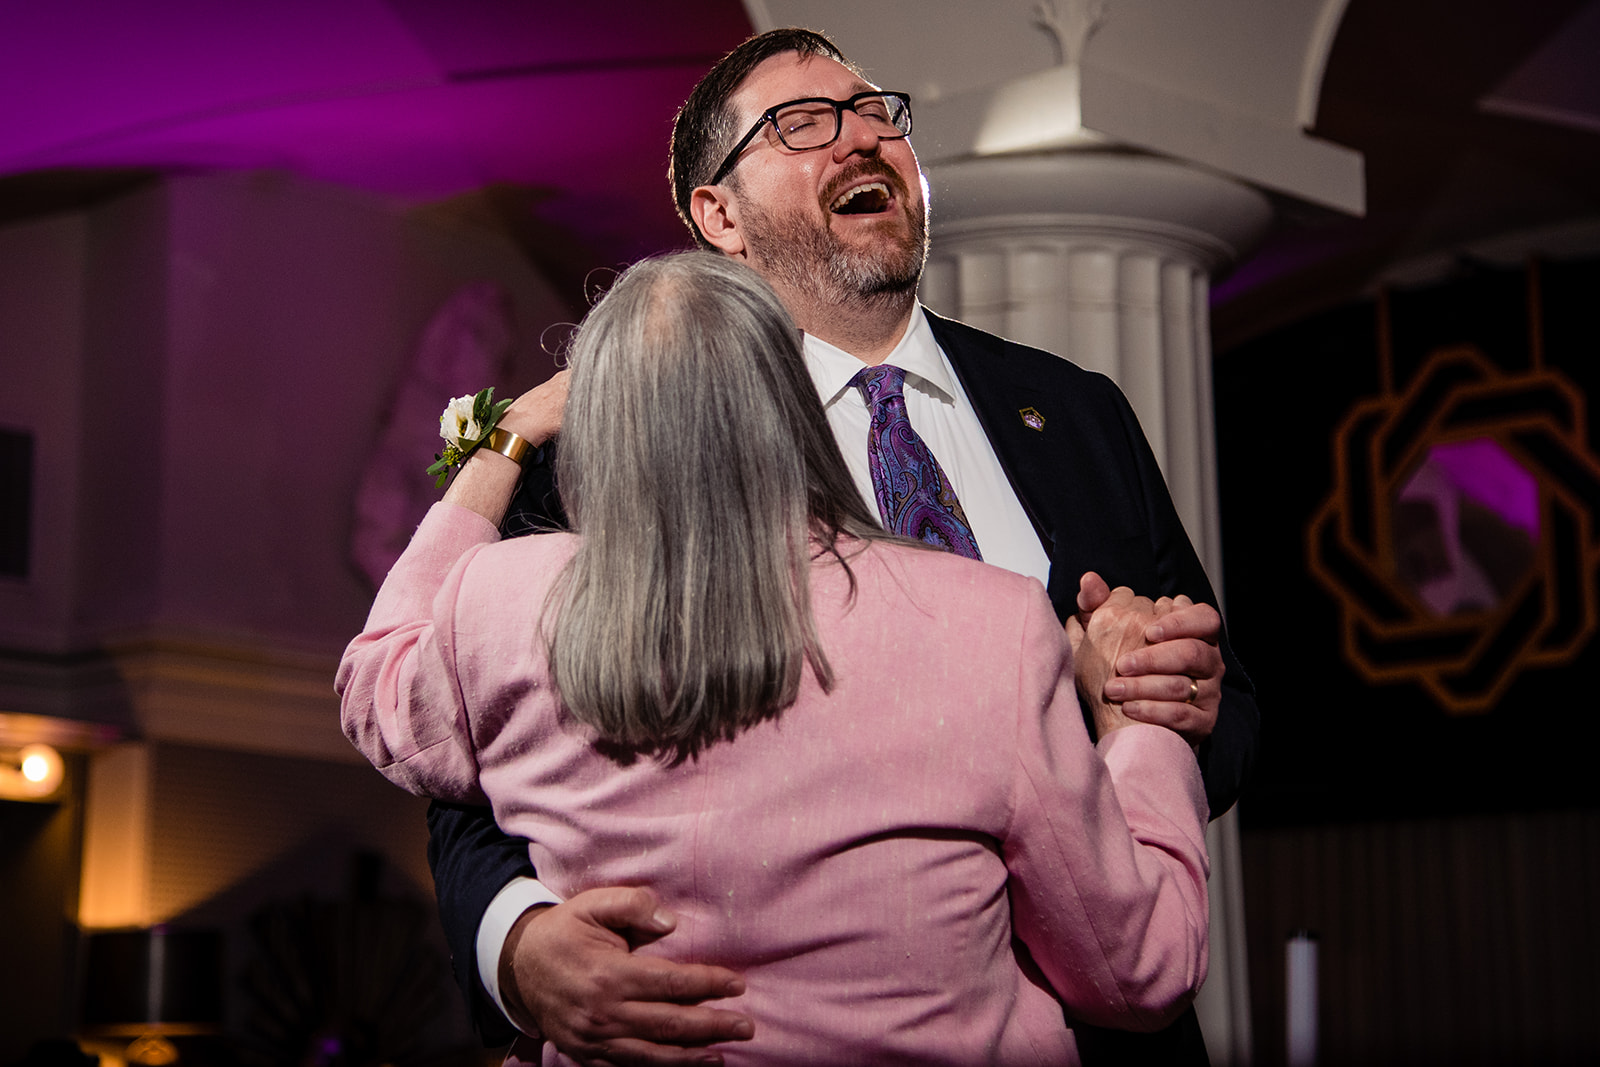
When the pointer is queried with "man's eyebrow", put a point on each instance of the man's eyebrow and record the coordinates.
(857, 89)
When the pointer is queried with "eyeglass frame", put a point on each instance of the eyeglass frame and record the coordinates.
(839, 107)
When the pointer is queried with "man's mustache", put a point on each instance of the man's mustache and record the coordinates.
(863, 168)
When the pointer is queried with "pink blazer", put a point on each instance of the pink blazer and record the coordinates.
(922, 866)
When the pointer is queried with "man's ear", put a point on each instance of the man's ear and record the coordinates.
(717, 215)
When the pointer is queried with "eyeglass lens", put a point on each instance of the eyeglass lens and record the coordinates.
(812, 124)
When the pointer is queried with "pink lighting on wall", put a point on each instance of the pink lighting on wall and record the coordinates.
(1465, 528)
(415, 99)
(1483, 470)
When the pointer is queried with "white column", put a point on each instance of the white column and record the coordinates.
(1105, 258)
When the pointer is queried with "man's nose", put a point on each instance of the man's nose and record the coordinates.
(856, 136)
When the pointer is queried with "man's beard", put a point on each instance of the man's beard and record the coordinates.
(798, 254)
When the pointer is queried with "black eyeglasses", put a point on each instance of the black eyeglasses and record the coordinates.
(815, 122)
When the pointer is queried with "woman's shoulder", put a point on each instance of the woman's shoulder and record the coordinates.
(557, 544)
(946, 566)
(941, 581)
(521, 564)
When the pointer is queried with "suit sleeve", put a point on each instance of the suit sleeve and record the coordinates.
(536, 506)
(1106, 851)
(471, 857)
(1228, 754)
(1093, 488)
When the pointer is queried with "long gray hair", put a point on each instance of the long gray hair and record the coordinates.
(699, 468)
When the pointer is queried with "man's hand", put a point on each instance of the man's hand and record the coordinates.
(1173, 677)
(568, 972)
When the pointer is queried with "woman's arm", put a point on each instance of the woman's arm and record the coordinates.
(401, 702)
(487, 481)
(400, 694)
(1106, 849)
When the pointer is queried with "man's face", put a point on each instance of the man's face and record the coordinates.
(840, 223)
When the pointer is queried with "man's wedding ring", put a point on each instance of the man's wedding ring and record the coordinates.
(1194, 691)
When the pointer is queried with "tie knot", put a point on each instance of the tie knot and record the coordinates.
(883, 382)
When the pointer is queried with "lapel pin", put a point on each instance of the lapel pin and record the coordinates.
(1031, 418)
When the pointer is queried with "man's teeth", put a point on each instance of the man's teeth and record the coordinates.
(880, 192)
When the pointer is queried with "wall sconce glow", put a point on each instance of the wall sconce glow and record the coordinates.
(35, 766)
(32, 773)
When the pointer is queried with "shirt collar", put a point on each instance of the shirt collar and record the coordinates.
(917, 354)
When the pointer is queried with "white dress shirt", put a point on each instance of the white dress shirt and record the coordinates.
(945, 420)
(943, 416)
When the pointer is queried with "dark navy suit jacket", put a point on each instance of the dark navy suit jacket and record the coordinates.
(1088, 480)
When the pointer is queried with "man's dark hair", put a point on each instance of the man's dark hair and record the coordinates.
(704, 130)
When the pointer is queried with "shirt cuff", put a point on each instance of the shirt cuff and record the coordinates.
(516, 897)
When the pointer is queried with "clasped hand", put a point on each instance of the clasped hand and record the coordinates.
(570, 972)
(1138, 660)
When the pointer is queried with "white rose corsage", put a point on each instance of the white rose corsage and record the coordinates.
(466, 422)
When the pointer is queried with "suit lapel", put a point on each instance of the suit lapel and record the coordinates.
(1017, 415)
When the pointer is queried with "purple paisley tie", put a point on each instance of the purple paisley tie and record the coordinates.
(915, 499)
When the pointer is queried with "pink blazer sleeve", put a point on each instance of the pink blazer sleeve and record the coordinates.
(1106, 851)
(401, 702)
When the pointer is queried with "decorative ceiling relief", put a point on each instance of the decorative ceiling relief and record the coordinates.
(1071, 28)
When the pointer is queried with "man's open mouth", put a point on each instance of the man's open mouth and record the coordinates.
(866, 199)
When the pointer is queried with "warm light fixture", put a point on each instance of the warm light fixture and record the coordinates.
(32, 772)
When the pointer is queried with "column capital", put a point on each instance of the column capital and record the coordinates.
(1203, 217)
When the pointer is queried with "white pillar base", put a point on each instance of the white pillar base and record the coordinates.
(1105, 258)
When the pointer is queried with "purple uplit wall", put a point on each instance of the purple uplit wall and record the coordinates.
(415, 99)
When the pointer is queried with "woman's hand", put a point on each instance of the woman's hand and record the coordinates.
(1110, 624)
(487, 480)
(535, 416)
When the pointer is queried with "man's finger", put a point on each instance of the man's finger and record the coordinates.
(1167, 688)
(1163, 700)
(1190, 657)
(626, 910)
(1195, 620)
(634, 1052)
(1192, 721)
(651, 978)
(667, 1033)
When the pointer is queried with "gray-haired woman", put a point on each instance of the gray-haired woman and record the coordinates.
(853, 767)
